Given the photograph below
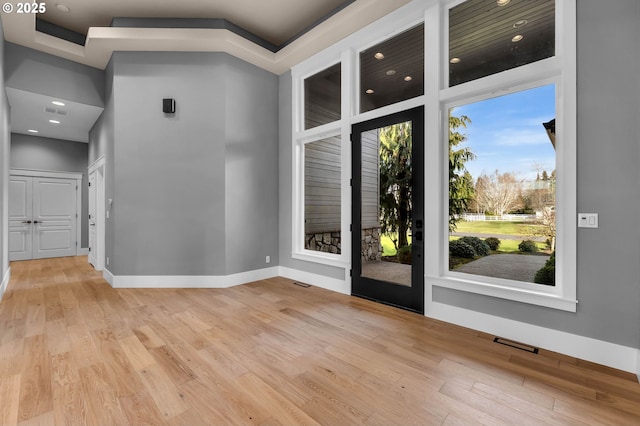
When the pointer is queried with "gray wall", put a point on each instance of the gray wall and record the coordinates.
(4, 167)
(37, 153)
(251, 166)
(608, 183)
(38, 72)
(193, 193)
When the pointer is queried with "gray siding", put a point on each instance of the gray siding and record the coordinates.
(36, 153)
(370, 180)
(322, 186)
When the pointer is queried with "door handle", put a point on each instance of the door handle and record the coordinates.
(36, 221)
(26, 221)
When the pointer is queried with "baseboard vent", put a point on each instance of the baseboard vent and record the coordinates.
(302, 284)
(517, 345)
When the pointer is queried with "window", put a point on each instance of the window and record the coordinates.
(502, 168)
(322, 97)
(487, 36)
(322, 197)
(392, 71)
(507, 105)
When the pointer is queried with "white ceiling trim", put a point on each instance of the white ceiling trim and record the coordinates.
(103, 41)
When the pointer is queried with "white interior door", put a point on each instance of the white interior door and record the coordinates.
(20, 218)
(92, 219)
(54, 217)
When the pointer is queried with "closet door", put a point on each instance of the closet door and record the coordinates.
(20, 218)
(54, 217)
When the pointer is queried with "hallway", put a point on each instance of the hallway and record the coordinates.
(75, 351)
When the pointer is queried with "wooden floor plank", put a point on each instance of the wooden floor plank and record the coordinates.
(74, 351)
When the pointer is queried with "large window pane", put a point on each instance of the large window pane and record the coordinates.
(502, 181)
(322, 202)
(489, 36)
(322, 97)
(392, 71)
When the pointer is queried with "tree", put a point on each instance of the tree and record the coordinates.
(498, 193)
(461, 190)
(395, 181)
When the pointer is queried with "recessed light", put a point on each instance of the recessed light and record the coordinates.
(63, 8)
(503, 2)
(369, 91)
(517, 38)
(391, 72)
(54, 122)
(454, 60)
(408, 78)
(57, 103)
(379, 56)
(32, 131)
(520, 23)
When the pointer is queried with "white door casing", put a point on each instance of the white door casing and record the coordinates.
(97, 211)
(92, 218)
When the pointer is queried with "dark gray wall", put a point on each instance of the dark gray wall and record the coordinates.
(4, 165)
(608, 183)
(194, 193)
(37, 153)
(38, 72)
(285, 153)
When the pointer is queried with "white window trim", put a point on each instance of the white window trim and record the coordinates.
(559, 70)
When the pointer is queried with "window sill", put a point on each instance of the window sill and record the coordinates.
(322, 258)
(501, 289)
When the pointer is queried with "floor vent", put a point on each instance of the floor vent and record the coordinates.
(517, 345)
(302, 284)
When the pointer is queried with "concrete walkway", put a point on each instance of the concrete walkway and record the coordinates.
(518, 267)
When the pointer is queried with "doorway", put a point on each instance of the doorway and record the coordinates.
(97, 213)
(388, 209)
(43, 214)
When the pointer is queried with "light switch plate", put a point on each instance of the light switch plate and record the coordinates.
(587, 220)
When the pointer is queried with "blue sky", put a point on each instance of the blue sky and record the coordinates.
(506, 133)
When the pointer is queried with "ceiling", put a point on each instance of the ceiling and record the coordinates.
(296, 30)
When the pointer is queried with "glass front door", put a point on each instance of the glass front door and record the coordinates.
(388, 204)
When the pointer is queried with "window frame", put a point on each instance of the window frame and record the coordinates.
(558, 70)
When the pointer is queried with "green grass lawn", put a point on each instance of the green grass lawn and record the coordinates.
(499, 227)
(388, 249)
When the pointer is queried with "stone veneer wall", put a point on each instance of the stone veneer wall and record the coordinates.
(327, 242)
(371, 249)
(331, 242)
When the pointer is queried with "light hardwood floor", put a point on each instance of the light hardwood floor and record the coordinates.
(75, 351)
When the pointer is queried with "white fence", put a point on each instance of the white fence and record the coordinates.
(471, 217)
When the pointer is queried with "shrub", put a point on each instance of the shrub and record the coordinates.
(480, 247)
(547, 274)
(493, 243)
(404, 255)
(528, 246)
(459, 248)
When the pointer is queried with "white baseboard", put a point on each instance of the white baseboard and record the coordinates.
(339, 286)
(188, 281)
(598, 351)
(108, 276)
(5, 282)
(82, 251)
